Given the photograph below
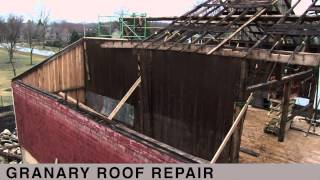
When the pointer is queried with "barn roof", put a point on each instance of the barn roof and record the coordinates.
(244, 26)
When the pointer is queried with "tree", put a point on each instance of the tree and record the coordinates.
(2, 29)
(74, 37)
(12, 33)
(31, 34)
(43, 24)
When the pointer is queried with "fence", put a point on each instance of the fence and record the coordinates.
(5, 101)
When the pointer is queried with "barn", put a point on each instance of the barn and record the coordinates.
(178, 96)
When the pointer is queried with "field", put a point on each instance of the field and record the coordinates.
(22, 63)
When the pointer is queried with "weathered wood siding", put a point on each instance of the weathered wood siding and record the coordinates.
(63, 73)
(187, 99)
(112, 71)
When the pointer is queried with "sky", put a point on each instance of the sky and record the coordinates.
(302, 6)
(88, 10)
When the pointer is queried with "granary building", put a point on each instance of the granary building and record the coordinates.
(178, 96)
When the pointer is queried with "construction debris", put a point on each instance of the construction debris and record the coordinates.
(249, 152)
(10, 151)
(303, 124)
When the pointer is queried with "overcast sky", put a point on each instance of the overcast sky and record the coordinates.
(88, 10)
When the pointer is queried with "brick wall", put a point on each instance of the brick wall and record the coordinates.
(49, 130)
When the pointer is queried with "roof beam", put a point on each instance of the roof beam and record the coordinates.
(297, 76)
(271, 17)
(305, 59)
(259, 13)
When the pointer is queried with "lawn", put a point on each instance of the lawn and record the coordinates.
(22, 63)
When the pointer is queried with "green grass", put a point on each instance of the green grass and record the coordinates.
(22, 63)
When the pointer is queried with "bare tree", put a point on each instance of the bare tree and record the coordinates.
(31, 35)
(2, 29)
(12, 33)
(43, 24)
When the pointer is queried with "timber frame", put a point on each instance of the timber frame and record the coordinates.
(251, 31)
(248, 30)
(241, 25)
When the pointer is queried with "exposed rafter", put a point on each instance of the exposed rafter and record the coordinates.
(250, 25)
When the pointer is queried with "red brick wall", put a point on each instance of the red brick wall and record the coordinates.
(49, 130)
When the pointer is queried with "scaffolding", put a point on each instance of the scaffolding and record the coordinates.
(107, 26)
(129, 26)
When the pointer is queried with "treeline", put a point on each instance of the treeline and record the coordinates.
(39, 33)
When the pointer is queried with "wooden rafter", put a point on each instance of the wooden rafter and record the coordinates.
(297, 76)
(215, 23)
(305, 59)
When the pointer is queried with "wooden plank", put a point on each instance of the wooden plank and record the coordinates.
(83, 68)
(124, 99)
(232, 129)
(51, 76)
(85, 59)
(62, 72)
(266, 18)
(293, 29)
(301, 58)
(54, 75)
(297, 76)
(284, 113)
(67, 70)
(238, 30)
(70, 89)
(249, 152)
(82, 96)
(47, 77)
(236, 138)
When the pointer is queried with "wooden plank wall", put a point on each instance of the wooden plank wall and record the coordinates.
(65, 73)
(186, 101)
